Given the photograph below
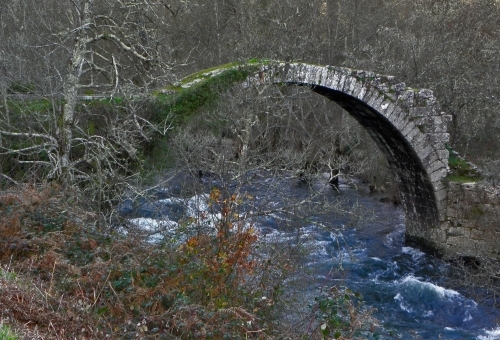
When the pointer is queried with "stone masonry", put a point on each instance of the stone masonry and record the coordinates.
(473, 225)
(408, 126)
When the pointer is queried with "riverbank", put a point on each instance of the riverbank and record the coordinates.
(65, 277)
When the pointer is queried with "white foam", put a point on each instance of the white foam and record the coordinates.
(415, 253)
(402, 303)
(493, 334)
(156, 228)
(442, 292)
(151, 224)
(171, 200)
(197, 204)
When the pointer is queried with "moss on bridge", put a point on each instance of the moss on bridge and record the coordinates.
(202, 89)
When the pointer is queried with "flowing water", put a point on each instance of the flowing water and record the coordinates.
(407, 287)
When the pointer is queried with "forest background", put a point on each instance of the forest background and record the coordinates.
(54, 52)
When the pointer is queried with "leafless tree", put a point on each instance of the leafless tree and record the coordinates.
(74, 48)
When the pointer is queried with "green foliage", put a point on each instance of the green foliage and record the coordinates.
(340, 315)
(178, 107)
(462, 178)
(187, 101)
(461, 171)
(21, 88)
(6, 333)
(46, 223)
(7, 275)
(28, 106)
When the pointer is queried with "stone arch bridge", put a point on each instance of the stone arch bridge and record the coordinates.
(407, 125)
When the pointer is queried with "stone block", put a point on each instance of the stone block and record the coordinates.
(424, 150)
(413, 135)
(477, 234)
(401, 120)
(335, 80)
(432, 124)
(342, 80)
(425, 94)
(386, 108)
(399, 87)
(410, 126)
(442, 213)
(371, 92)
(322, 76)
(362, 93)
(461, 245)
(424, 143)
(455, 232)
(355, 88)
(439, 185)
(433, 158)
(441, 195)
(406, 97)
(347, 84)
(439, 139)
(314, 74)
(328, 78)
(419, 112)
(438, 175)
(394, 116)
(437, 155)
(377, 97)
(416, 138)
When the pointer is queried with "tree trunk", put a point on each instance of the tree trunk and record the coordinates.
(71, 87)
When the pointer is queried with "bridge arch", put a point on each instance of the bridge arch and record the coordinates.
(407, 125)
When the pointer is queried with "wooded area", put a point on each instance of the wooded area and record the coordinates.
(123, 54)
(58, 50)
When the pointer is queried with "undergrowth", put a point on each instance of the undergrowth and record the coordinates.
(63, 278)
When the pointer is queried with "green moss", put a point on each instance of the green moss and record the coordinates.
(476, 212)
(462, 179)
(422, 127)
(207, 73)
(188, 101)
(461, 170)
(258, 61)
(387, 97)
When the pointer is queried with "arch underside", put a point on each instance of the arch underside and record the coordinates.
(416, 189)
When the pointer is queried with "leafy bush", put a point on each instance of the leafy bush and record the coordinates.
(339, 314)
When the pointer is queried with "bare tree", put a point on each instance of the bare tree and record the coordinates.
(80, 47)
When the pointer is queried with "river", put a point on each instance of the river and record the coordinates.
(406, 287)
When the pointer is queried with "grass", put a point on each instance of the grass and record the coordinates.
(462, 179)
(6, 333)
(461, 171)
